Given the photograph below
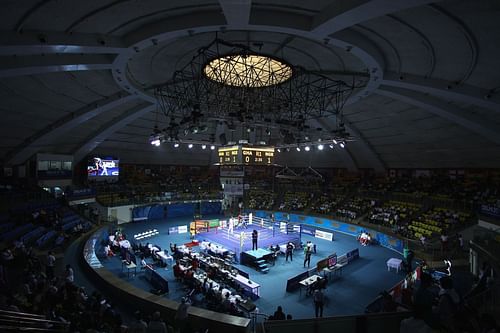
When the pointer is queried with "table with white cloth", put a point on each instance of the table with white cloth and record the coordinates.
(394, 263)
(306, 283)
(247, 284)
(165, 257)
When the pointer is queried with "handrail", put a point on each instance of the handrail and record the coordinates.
(32, 321)
(21, 313)
(3, 328)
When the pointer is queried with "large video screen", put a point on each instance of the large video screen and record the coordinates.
(103, 167)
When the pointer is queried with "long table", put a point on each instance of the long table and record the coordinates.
(247, 284)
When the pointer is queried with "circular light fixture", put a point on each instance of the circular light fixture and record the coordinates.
(320, 147)
(247, 70)
(342, 144)
(176, 145)
(203, 146)
(307, 148)
(298, 148)
(212, 147)
(190, 145)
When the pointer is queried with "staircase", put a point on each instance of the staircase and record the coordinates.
(261, 266)
(12, 321)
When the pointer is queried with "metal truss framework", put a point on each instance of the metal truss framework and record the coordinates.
(242, 91)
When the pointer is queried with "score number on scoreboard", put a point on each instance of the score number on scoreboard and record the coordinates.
(246, 155)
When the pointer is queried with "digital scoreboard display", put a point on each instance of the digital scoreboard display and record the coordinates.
(246, 155)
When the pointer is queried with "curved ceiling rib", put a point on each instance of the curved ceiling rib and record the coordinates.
(51, 42)
(469, 36)
(393, 48)
(99, 10)
(20, 24)
(442, 89)
(49, 133)
(344, 14)
(51, 69)
(440, 109)
(95, 139)
(427, 43)
(237, 13)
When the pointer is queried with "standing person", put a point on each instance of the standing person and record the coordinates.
(255, 236)
(409, 260)
(51, 262)
(181, 316)
(69, 275)
(307, 256)
(319, 299)
(289, 251)
(444, 242)
(279, 314)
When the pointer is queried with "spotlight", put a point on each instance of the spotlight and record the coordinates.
(212, 147)
(249, 129)
(288, 149)
(203, 146)
(176, 145)
(298, 148)
(307, 148)
(342, 144)
(155, 142)
(320, 147)
(335, 141)
(278, 150)
(331, 145)
(190, 145)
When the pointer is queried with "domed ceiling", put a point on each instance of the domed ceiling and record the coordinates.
(79, 77)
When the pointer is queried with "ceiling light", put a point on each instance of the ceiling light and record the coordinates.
(190, 145)
(307, 148)
(155, 142)
(342, 144)
(247, 70)
(176, 145)
(212, 147)
(320, 147)
(278, 150)
(331, 145)
(268, 131)
(335, 141)
(298, 148)
(203, 146)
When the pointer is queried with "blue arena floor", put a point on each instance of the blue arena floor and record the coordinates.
(360, 283)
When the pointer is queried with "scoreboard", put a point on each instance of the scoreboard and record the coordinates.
(246, 155)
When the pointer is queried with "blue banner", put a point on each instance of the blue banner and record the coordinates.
(313, 222)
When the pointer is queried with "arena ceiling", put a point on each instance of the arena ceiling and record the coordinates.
(75, 76)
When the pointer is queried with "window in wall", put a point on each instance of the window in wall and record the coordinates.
(43, 165)
(54, 165)
(67, 165)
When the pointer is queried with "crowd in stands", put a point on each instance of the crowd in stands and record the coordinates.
(352, 208)
(141, 184)
(261, 200)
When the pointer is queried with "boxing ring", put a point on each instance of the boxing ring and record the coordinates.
(235, 233)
